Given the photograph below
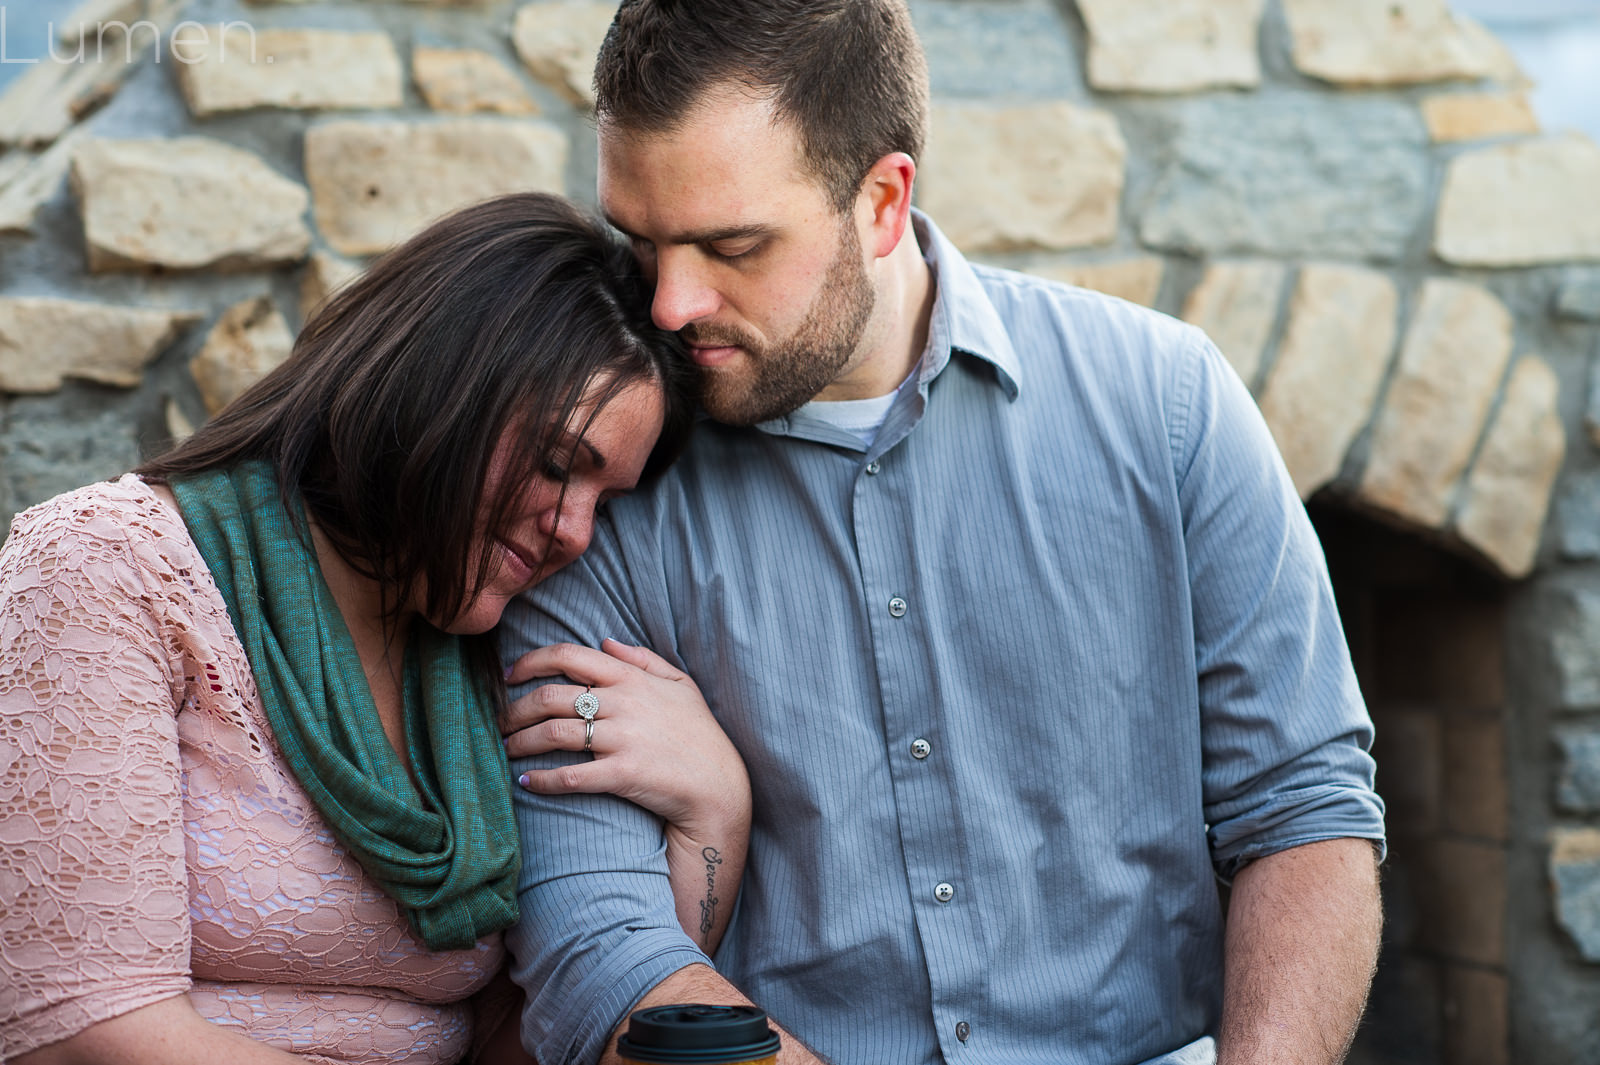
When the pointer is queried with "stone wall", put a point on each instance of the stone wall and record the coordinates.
(1352, 196)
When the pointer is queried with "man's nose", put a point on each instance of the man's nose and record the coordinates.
(683, 294)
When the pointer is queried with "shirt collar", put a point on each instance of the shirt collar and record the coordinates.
(963, 318)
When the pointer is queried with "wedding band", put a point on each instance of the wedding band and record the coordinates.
(588, 734)
(587, 705)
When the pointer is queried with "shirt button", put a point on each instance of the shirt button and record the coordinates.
(920, 749)
(872, 469)
(897, 607)
(963, 1029)
(944, 892)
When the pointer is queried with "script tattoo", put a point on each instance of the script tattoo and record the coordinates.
(708, 905)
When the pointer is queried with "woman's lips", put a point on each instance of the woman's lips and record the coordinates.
(521, 564)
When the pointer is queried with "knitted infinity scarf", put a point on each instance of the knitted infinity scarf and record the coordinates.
(448, 855)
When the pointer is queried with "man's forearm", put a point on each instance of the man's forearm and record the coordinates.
(700, 983)
(1302, 940)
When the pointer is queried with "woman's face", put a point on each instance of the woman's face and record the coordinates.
(607, 463)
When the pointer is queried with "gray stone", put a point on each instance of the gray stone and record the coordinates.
(973, 50)
(1578, 518)
(1578, 787)
(1572, 635)
(1591, 413)
(1575, 877)
(1294, 174)
(43, 453)
(1579, 296)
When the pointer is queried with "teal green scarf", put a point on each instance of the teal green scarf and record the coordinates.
(449, 855)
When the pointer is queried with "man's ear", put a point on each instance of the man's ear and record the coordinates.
(884, 205)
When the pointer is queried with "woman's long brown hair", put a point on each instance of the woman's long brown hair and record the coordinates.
(505, 315)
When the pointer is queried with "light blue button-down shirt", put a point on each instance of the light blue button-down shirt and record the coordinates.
(1011, 684)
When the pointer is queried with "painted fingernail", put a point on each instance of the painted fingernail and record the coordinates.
(506, 673)
(523, 780)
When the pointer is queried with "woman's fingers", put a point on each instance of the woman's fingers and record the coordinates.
(642, 658)
(585, 778)
(542, 704)
(557, 734)
(582, 665)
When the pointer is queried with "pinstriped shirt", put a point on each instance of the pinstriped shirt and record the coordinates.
(1013, 685)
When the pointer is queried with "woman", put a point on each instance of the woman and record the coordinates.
(247, 741)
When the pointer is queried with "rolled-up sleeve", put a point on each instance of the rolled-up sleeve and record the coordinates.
(1285, 731)
(597, 928)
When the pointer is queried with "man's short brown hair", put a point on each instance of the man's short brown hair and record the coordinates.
(850, 74)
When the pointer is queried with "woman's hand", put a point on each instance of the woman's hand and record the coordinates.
(655, 744)
(655, 741)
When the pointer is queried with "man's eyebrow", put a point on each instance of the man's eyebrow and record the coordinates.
(704, 236)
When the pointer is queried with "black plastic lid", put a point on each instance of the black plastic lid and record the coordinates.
(693, 1034)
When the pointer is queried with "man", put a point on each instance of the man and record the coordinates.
(999, 588)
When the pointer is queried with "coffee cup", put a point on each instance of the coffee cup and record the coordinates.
(695, 1034)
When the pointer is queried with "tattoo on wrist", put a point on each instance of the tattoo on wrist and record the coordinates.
(708, 905)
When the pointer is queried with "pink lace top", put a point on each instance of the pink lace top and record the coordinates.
(151, 840)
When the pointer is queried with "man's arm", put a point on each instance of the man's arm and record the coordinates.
(700, 983)
(1302, 940)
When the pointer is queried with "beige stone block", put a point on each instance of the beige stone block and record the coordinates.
(1476, 1016)
(1337, 346)
(43, 341)
(1450, 366)
(179, 427)
(558, 42)
(1005, 178)
(248, 342)
(466, 80)
(104, 21)
(1574, 846)
(1467, 116)
(1508, 490)
(1466, 884)
(238, 67)
(1172, 45)
(1236, 304)
(184, 204)
(1137, 280)
(1387, 42)
(32, 180)
(48, 98)
(375, 184)
(324, 275)
(1521, 204)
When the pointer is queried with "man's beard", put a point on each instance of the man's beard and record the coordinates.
(787, 374)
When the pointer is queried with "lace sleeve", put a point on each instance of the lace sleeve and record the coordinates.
(93, 893)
